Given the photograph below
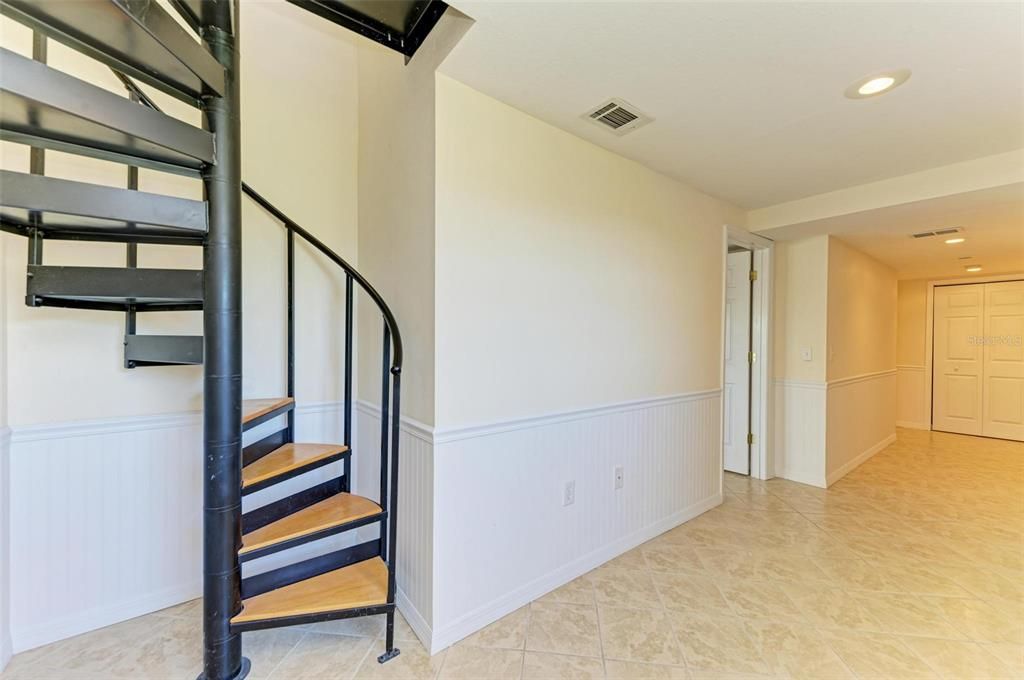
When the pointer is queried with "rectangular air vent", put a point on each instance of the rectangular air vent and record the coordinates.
(617, 116)
(937, 232)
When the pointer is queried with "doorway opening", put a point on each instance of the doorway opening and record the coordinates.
(746, 324)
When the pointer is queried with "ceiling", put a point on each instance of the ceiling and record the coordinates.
(748, 97)
(992, 222)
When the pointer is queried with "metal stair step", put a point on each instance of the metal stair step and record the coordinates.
(338, 513)
(115, 289)
(46, 108)
(163, 350)
(64, 209)
(289, 461)
(351, 588)
(137, 37)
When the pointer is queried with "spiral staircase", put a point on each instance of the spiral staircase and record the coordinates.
(196, 61)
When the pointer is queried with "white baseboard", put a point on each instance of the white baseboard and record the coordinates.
(859, 460)
(100, 617)
(494, 610)
(911, 425)
(413, 617)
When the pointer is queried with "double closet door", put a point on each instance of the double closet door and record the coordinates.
(978, 359)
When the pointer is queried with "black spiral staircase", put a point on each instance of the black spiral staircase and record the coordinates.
(47, 109)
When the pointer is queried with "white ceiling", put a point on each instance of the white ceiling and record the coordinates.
(748, 97)
(992, 222)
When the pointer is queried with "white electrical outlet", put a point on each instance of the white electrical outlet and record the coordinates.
(805, 354)
(569, 494)
(619, 477)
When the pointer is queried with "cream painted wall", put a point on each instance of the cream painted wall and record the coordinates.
(911, 314)
(861, 313)
(567, 276)
(66, 364)
(801, 306)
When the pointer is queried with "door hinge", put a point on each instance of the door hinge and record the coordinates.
(751, 357)
(753, 275)
(750, 437)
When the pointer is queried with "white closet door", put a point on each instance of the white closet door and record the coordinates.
(957, 359)
(736, 451)
(1003, 383)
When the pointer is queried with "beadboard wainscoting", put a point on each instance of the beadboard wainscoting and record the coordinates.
(502, 536)
(124, 497)
(415, 572)
(912, 407)
(6, 650)
(800, 408)
(861, 420)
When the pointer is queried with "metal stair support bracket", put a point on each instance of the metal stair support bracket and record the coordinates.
(45, 108)
(137, 37)
(159, 350)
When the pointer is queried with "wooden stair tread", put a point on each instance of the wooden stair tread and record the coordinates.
(334, 511)
(363, 584)
(254, 408)
(288, 457)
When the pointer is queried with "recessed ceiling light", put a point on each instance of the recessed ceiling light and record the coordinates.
(951, 241)
(973, 268)
(878, 83)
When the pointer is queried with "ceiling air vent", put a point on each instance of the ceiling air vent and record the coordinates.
(617, 116)
(937, 232)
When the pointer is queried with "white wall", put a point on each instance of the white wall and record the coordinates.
(578, 300)
(105, 461)
(912, 409)
(5, 484)
(837, 409)
(800, 319)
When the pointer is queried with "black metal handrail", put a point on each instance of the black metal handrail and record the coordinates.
(389, 318)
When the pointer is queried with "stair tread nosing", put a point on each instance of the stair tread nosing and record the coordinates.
(331, 512)
(255, 408)
(287, 458)
(363, 584)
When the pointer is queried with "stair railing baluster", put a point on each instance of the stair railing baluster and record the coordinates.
(385, 404)
(348, 405)
(291, 328)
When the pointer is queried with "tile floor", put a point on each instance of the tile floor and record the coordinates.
(910, 567)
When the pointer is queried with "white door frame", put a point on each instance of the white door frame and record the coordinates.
(761, 406)
(929, 341)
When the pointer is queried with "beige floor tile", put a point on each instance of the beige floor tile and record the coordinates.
(959, 660)
(624, 588)
(1011, 655)
(266, 649)
(631, 670)
(577, 591)
(671, 558)
(871, 655)
(718, 644)
(563, 629)
(832, 608)
(980, 621)
(478, 663)
(796, 650)
(414, 663)
(756, 600)
(688, 592)
(321, 655)
(538, 666)
(638, 635)
(908, 615)
(508, 632)
(855, 575)
(363, 626)
(116, 646)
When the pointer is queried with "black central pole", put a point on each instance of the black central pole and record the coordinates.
(222, 359)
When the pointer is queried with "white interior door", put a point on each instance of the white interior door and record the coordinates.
(1003, 363)
(957, 359)
(736, 406)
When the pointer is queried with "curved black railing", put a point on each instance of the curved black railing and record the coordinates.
(391, 364)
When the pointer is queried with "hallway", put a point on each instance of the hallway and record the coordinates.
(909, 567)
